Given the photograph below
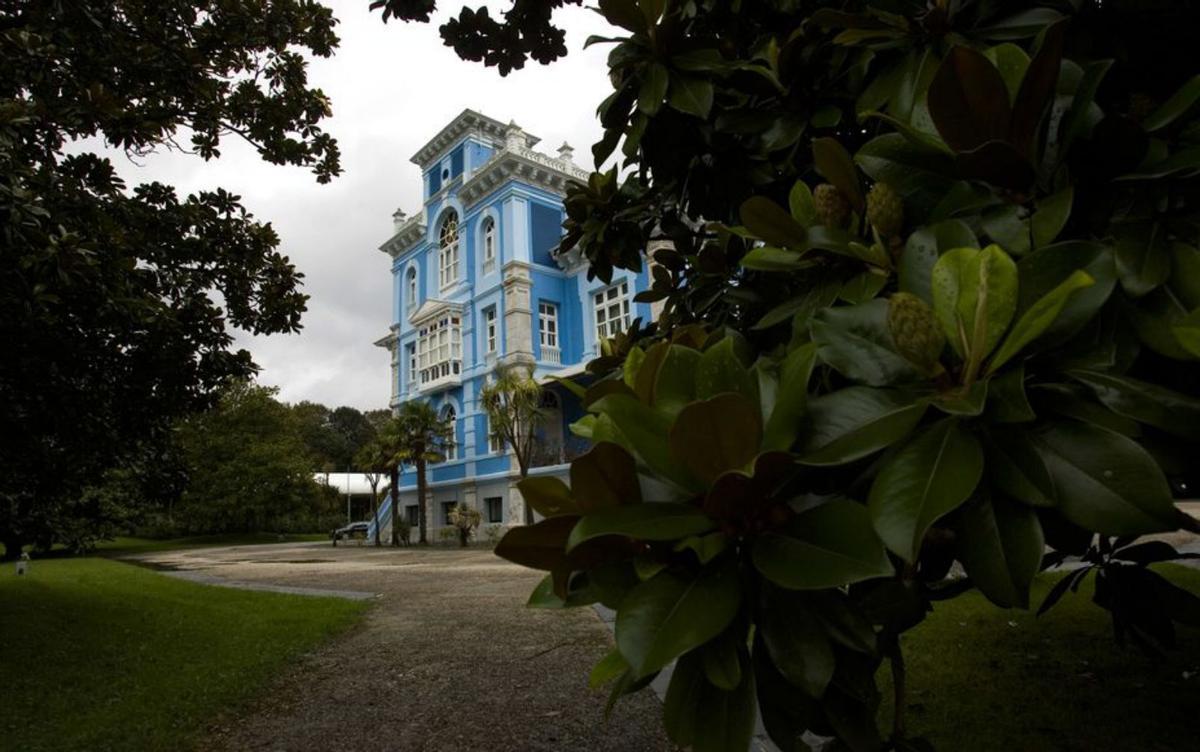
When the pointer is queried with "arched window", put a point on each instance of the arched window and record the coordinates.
(449, 416)
(448, 253)
(489, 245)
(412, 287)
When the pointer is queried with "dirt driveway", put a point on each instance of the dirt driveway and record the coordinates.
(447, 659)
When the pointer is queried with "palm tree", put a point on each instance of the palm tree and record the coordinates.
(513, 403)
(418, 436)
(374, 460)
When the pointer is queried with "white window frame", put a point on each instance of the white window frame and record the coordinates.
(411, 351)
(490, 331)
(411, 286)
(495, 441)
(439, 349)
(489, 245)
(448, 255)
(610, 308)
(450, 415)
(548, 324)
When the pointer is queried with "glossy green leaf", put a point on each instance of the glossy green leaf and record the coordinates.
(1051, 216)
(1105, 481)
(1012, 62)
(791, 399)
(800, 202)
(1007, 401)
(1047, 268)
(969, 402)
(721, 370)
(1039, 317)
(706, 547)
(772, 223)
(645, 428)
(829, 546)
(714, 436)
(1016, 467)
(835, 165)
(1179, 103)
(543, 595)
(1187, 333)
(1143, 259)
(721, 665)
(603, 477)
(857, 421)
(705, 718)
(693, 96)
(611, 666)
(1145, 402)
(653, 522)
(974, 297)
(796, 640)
(927, 478)
(855, 341)
(1008, 226)
(767, 258)
(538, 546)
(862, 287)
(675, 384)
(922, 250)
(1000, 545)
(968, 100)
(672, 613)
(548, 496)
(653, 89)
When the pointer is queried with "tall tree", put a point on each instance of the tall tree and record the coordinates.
(108, 316)
(374, 461)
(246, 467)
(417, 436)
(513, 403)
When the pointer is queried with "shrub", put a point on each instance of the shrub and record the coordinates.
(933, 296)
(465, 520)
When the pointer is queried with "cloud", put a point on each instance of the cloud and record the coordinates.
(393, 87)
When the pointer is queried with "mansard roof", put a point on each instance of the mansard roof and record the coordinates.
(468, 121)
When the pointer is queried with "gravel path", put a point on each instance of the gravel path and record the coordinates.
(447, 659)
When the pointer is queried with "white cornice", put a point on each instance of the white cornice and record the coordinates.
(468, 121)
(409, 233)
(432, 308)
(529, 166)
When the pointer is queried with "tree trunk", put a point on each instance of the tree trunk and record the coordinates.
(375, 514)
(423, 540)
(395, 471)
(524, 470)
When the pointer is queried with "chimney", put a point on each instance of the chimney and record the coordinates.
(514, 137)
(565, 154)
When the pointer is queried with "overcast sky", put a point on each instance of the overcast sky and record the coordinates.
(393, 88)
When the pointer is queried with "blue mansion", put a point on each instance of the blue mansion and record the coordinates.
(476, 286)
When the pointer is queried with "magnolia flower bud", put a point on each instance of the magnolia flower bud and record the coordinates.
(885, 211)
(915, 331)
(833, 210)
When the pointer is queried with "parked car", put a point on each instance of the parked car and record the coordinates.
(355, 530)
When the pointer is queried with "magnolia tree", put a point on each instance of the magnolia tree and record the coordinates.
(933, 297)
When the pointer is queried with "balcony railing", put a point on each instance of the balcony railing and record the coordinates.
(551, 355)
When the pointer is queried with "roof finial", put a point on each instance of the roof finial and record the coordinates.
(514, 137)
(398, 219)
(565, 153)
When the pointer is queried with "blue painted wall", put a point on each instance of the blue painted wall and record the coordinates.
(545, 231)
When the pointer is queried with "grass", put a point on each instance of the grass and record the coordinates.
(129, 545)
(101, 655)
(983, 679)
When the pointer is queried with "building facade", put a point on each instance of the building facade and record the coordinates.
(476, 287)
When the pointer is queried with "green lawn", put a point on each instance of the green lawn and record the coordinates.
(983, 679)
(128, 545)
(101, 655)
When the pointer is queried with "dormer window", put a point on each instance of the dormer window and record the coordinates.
(412, 287)
(448, 251)
(489, 245)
